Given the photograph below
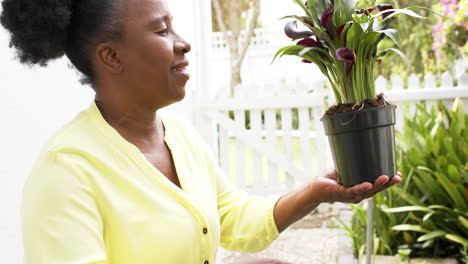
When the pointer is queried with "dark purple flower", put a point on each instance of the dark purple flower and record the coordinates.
(306, 61)
(291, 31)
(345, 55)
(379, 61)
(370, 9)
(309, 42)
(326, 20)
(340, 30)
(383, 8)
(327, 16)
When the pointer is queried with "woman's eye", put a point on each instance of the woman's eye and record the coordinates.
(163, 32)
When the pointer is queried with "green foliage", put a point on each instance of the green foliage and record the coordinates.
(344, 43)
(423, 54)
(428, 215)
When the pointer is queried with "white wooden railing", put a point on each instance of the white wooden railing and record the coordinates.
(274, 154)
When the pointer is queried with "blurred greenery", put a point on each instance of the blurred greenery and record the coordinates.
(417, 40)
(427, 215)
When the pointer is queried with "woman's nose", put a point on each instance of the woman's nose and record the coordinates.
(182, 46)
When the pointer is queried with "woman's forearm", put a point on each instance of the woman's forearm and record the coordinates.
(293, 206)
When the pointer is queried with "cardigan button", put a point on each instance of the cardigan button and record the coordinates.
(206, 262)
(205, 231)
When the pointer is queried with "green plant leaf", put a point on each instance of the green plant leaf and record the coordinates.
(320, 6)
(382, 24)
(306, 50)
(456, 196)
(416, 228)
(349, 8)
(354, 36)
(463, 221)
(459, 113)
(288, 50)
(398, 12)
(407, 196)
(424, 169)
(392, 34)
(453, 173)
(427, 216)
(432, 235)
(339, 13)
(407, 209)
(301, 4)
(397, 51)
(457, 239)
(313, 13)
(428, 243)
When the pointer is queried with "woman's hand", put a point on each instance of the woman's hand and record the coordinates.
(327, 189)
(298, 203)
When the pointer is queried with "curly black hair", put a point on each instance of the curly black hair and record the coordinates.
(44, 30)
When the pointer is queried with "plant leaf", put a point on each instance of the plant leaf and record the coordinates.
(402, 55)
(407, 209)
(354, 36)
(457, 239)
(392, 34)
(288, 50)
(349, 8)
(463, 221)
(301, 4)
(307, 49)
(427, 216)
(416, 228)
(431, 235)
(313, 12)
(398, 12)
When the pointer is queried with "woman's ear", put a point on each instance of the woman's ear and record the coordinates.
(108, 58)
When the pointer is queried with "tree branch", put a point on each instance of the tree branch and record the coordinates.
(219, 19)
(251, 28)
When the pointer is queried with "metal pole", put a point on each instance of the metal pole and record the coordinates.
(369, 237)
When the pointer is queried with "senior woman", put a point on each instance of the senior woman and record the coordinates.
(123, 183)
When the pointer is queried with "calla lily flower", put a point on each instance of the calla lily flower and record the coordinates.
(309, 42)
(291, 31)
(345, 55)
(343, 42)
(340, 30)
(383, 8)
(326, 19)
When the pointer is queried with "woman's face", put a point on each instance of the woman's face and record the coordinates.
(152, 54)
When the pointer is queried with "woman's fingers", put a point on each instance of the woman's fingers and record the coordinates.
(379, 184)
(395, 180)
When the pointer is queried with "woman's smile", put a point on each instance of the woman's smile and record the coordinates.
(180, 69)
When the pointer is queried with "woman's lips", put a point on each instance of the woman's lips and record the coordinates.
(180, 69)
(182, 72)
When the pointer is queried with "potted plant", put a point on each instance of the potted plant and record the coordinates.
(343, 42)
(427, 217)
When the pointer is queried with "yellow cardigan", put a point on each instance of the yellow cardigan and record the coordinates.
(93, 197)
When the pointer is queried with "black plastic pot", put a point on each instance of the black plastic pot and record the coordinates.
(362, 144)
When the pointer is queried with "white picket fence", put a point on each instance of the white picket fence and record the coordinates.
(285, 144)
